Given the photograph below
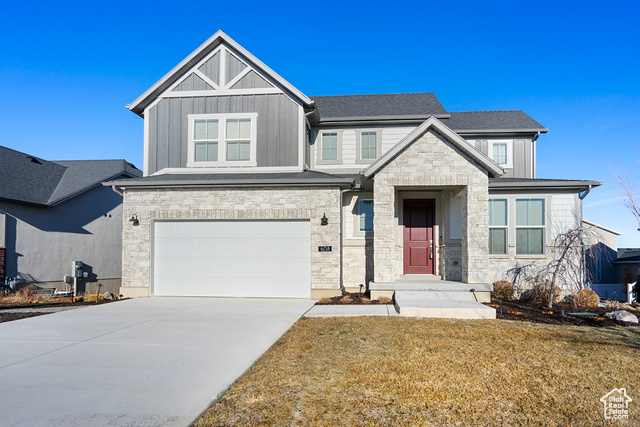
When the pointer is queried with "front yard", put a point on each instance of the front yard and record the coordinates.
(402, 371)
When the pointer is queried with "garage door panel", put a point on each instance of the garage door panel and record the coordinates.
(232, 258)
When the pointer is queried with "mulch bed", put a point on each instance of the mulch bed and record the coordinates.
(351, 298)
(529, 312)
(9, 316)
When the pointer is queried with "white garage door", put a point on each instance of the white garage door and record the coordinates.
(232, 258)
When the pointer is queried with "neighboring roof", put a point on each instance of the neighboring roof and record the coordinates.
(28, 179)
(196, 56)
(539, 184)
(488, 121)
(602, 227)
(492, 167)
(628, 260)
(82, 175)
(392, 106)
(236, 179)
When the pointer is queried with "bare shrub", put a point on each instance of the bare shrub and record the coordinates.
(586, 298)
(384, 300)
(28, 291)
(325, 300)
(346, 300)
(502, 288)
(540, 292)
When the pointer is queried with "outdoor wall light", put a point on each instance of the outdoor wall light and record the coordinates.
(134, 220)
(324, 220)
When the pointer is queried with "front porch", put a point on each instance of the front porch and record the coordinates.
(428, 296)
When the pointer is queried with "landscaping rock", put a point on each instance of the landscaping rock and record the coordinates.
(108, 296)
(622, 316)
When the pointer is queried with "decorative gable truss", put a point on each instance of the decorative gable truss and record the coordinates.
(221, 73)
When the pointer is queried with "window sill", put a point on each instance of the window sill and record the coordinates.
(221, 165)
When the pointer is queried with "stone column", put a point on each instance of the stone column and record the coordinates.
(475, 231)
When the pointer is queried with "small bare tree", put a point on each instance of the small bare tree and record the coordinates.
(567, 270)
(627, 189)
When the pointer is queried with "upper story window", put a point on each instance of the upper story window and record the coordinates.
(222, 139)
(330, 147)
(498, 226)
(501, 152)
(368, 145)
(530, 226)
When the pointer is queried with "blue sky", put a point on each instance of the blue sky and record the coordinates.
(67, 70)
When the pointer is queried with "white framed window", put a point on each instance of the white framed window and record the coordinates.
(222, 140)
(501, 152)
(530, 226)
(498, 226)
(368, 144)
(329, 147)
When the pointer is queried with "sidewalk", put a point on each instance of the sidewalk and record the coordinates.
(351, 310)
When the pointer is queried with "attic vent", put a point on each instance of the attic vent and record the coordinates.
(34, 160)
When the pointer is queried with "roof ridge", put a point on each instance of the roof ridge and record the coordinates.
(487, 111)
(90, 160)
(372, 94)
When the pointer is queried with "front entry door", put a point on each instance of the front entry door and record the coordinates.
(419, 248)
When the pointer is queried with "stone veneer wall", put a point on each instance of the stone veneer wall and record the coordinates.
(431, 162)
(358, 265)
(230, 203)
(452, 261)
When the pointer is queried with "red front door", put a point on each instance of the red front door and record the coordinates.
(419, 249)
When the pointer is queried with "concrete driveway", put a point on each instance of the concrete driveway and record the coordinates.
(141, 362)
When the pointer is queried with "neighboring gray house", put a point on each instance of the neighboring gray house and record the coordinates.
(252, 188)
(55, 212)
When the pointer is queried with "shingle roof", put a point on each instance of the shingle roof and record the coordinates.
(227, 179)
(539, 183)
(514, 120)
(28, 179)
(392, 105)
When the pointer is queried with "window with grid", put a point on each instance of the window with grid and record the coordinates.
(498, 226)
(238, 140)
(530, 226)
(499, 153)
(205, 139)
(368, 145)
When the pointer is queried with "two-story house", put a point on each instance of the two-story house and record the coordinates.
(253, 189)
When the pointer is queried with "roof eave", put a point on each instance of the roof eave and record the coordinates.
(468, 132)
(562, 185)
(121, 184)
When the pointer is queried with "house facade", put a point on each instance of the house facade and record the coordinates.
(53, 213)
(251, 188)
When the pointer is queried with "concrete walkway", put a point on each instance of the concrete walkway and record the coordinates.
(142, 362)
(349, 310)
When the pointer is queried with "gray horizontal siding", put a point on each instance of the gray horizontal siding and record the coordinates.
(277, 127)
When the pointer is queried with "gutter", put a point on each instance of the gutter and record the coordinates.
(587, 191)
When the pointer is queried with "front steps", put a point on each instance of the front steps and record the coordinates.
(417, 297)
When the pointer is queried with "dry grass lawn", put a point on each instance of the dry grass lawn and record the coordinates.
(433, 372)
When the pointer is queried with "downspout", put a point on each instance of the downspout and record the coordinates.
(587, 191)
(533, 156)
(113, 187)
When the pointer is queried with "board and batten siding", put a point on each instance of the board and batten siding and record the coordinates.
(277, 127)
(523, 161)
